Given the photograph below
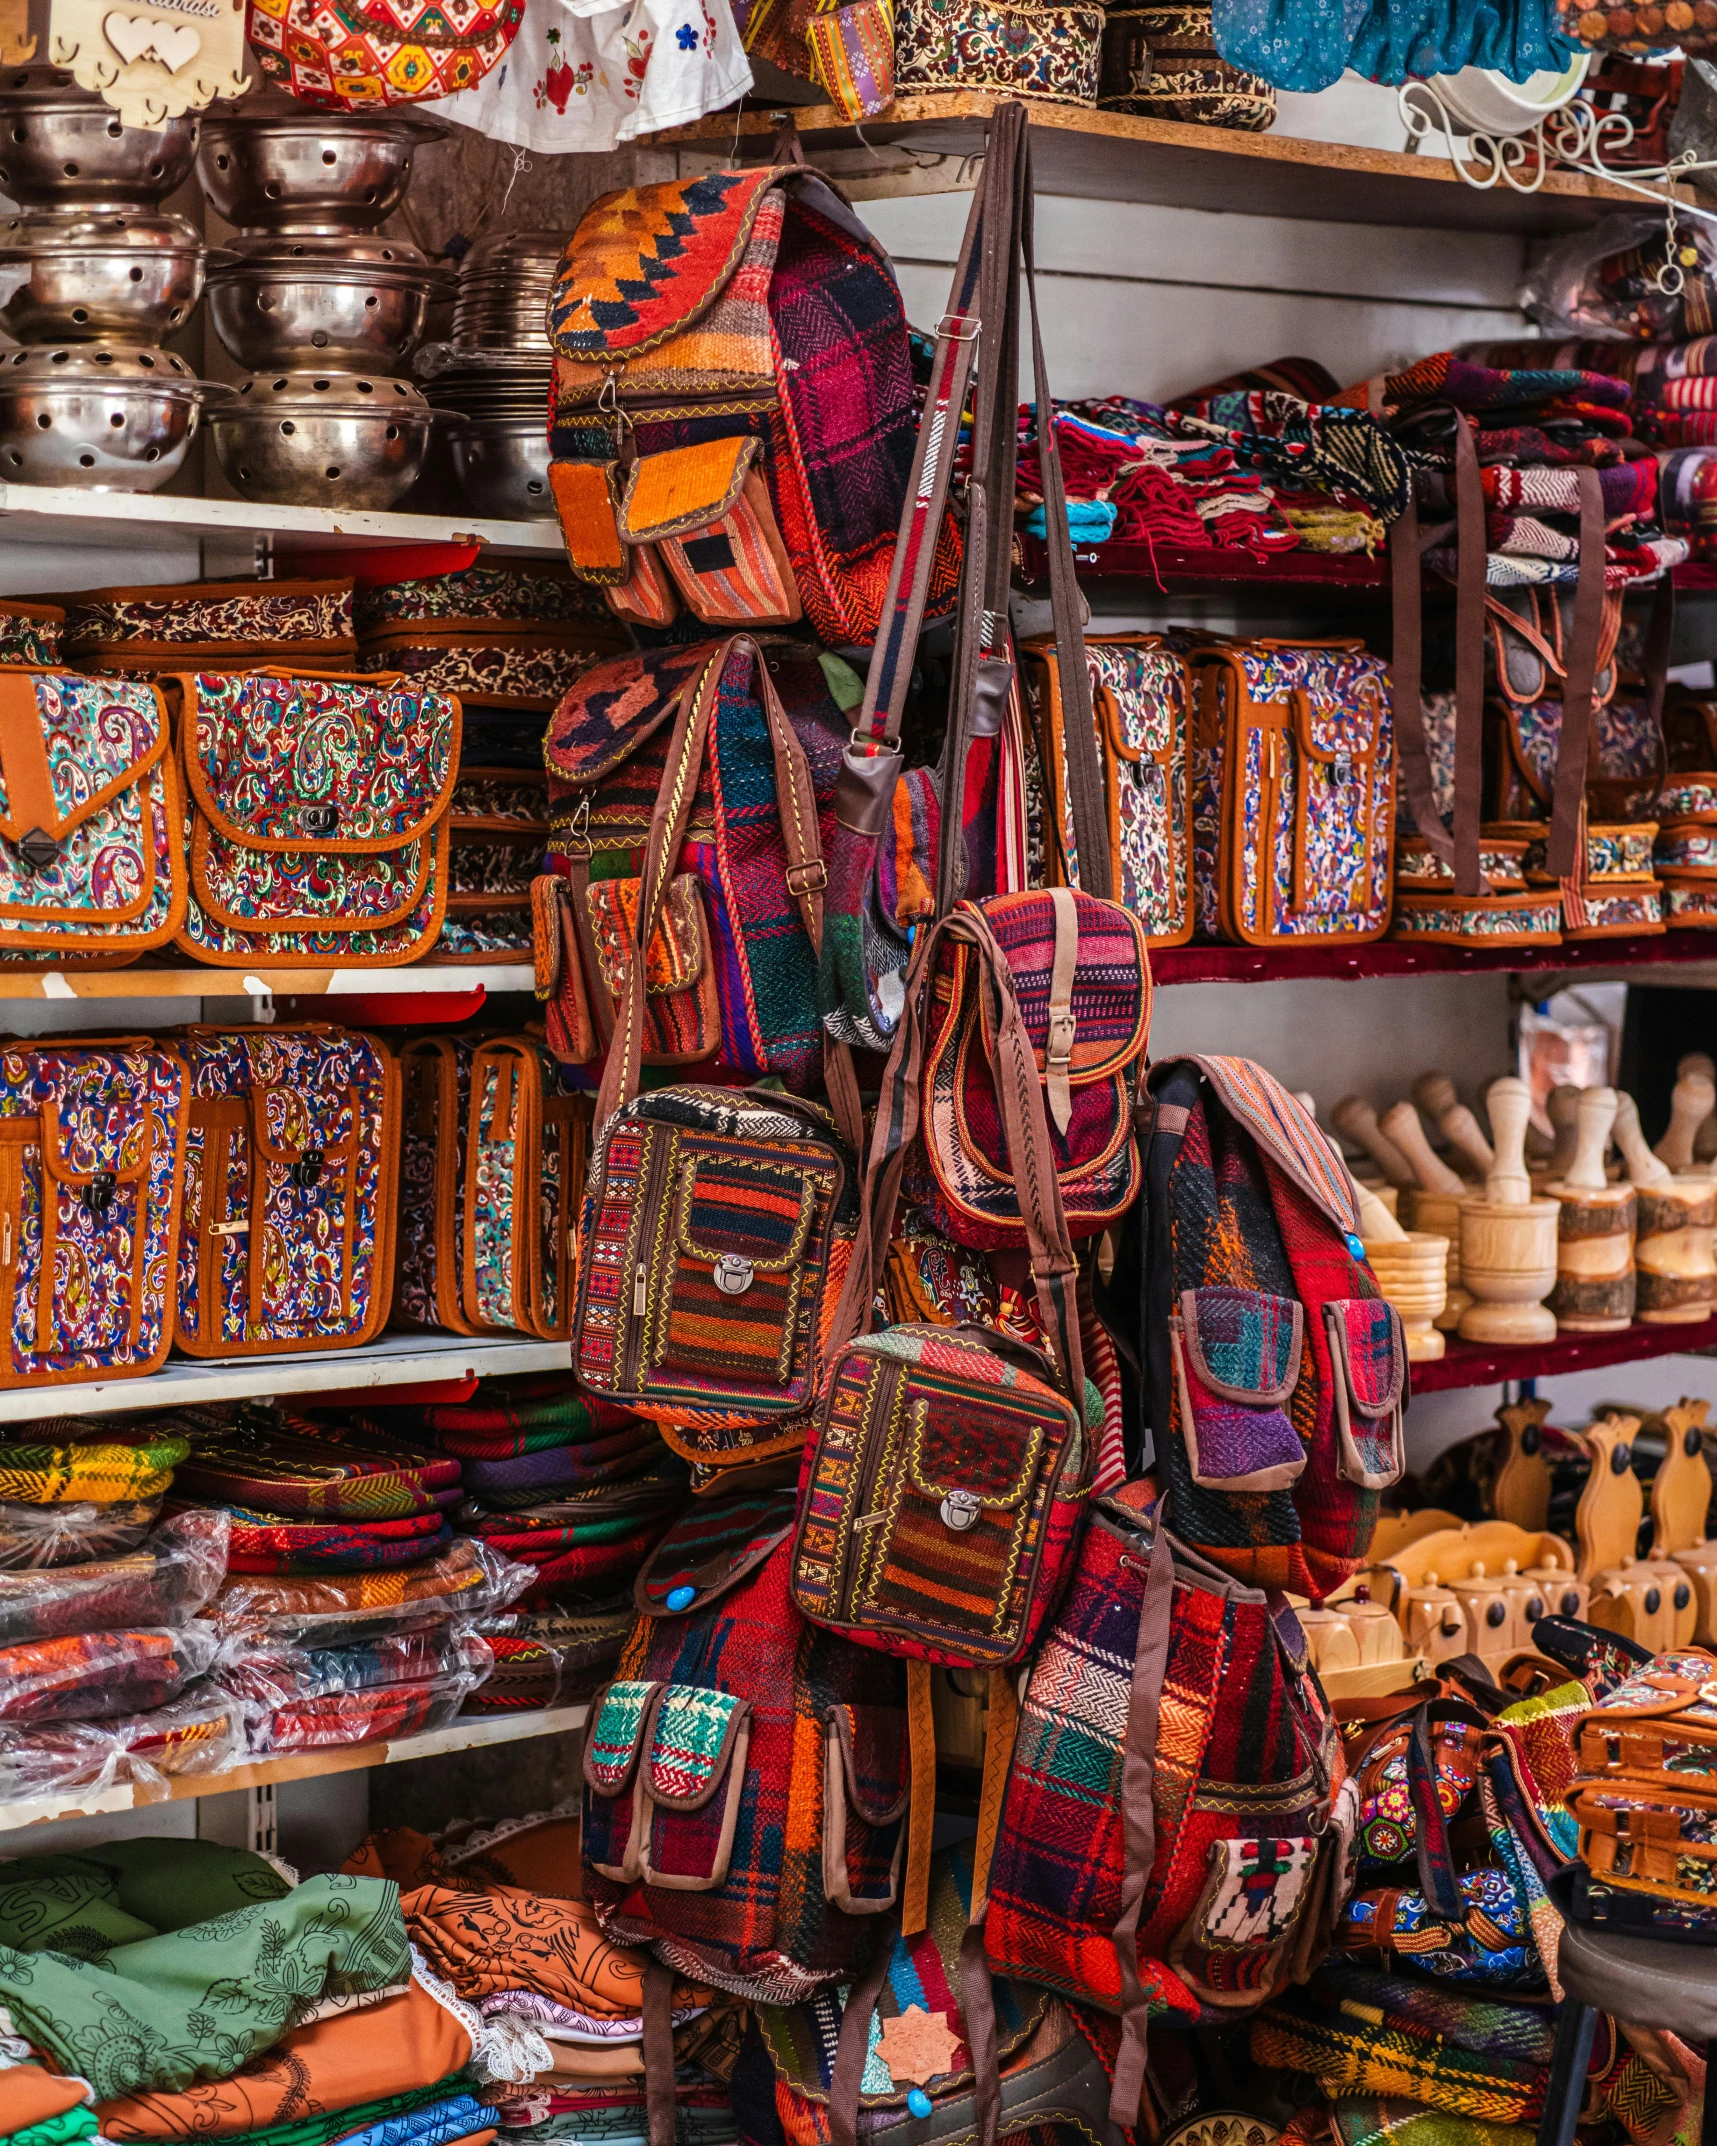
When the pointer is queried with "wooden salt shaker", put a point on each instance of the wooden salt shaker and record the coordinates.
(1508, 1239)
(1673, 1249)
(1594, 1291)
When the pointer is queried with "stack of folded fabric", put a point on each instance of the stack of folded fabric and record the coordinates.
(495, 1913)
(573, 1488)
(101, 1646)
(355, 1602)
(163, 1990)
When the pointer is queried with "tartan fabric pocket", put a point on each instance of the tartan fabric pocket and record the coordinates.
(866, 1790)
(613, 1810)
(1237, 1360)
(1370, 1353)
(692, 1782)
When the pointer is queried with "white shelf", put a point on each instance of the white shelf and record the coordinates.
(142, 981)
(395, 1360)
(466, 1734)
(63, 514)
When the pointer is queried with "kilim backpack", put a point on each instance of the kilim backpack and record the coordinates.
(1274, 1373)
(291, 1190)
(732, 415)
(744, 1773)
(1166, 1848)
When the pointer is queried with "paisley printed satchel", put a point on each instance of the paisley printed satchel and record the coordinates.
(524, 1155)
(92, 869)
(1293, 792)
(319, 818)
(435, 1099)
(92, 1143)
(291, 1190)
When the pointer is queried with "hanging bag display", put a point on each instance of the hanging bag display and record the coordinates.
(291, 1190)
(319, 818)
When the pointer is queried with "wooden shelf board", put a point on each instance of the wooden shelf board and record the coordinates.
(395, 1360)
(62, 514)
(1670, 950)
(180, 980)
(1110, 156)
(469, 1733)
(1469, 1363)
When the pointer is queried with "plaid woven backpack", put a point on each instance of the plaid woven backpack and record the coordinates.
(744, 1773)
(1274, 1373)
(1166, 1847)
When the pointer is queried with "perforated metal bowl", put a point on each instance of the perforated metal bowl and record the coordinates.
(501, 464)
(61, 145)
(114, 417)
(327, 439)
(135, 274)
(323, 301)
(310, 171)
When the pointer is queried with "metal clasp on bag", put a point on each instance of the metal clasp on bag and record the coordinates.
(734, 1275)
(98, 1193)
(38, 849)
(959, 1510)
(319, 819)
(307, 1170)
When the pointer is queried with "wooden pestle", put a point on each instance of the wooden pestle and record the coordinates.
(1594, 1291)
(1538, 1144)
(1435, 1095)
(1643, 1167)
(1508, 1184)
(1561, 1109)
(1400, 1125)
(1376, 1224)
(1691, 1103)
(1355, 1120)
(1704, 1136)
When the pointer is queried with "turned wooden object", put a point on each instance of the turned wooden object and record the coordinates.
(1680, 1510)
(1521, 1491)
(1477, 1589)
(1704, 1136)
(1355, 1120)
(1508, 1239)
(1562, 1109)
(1439, 1105)
(1594, 1291)
(1412, 1271)
(1690, 1104)
(1647, 1600)
(1377, 1225)
(1401, 1125)
(1673, 1232)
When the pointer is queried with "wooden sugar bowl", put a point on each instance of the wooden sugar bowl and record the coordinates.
(1673, 1251)
(1411, 1270)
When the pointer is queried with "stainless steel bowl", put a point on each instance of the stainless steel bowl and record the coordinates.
(502, 466)
(309, 171)
(61, 145)
(308, 302)
(70, 273)
(327, 439)
(105, 417)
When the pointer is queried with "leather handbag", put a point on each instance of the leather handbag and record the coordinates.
(1141, 694)
(291, 1190)
(525, 1149)
(435, 1101)
(718, 1223)
(92, 1147)
(1294, 792)
(1049, 53)
(319, 818)
(92, 860)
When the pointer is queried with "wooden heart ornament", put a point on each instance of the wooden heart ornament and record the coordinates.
(130, 35)
(176, 45)
(145, 59)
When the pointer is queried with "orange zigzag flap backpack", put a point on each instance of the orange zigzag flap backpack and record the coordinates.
(1274, 1373)
(732, 421)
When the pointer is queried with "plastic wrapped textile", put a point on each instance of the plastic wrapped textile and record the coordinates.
(86, 1676)
(35, 1538)
(133, 2019)
(165, 1581)
(310, 1699)
(470, 1579)
(293, 1476)
(262, 1545)
(590, 1569)
(97, 1470)
(550, 1657)
(200, 1732)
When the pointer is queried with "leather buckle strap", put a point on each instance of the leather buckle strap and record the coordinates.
(810, 878)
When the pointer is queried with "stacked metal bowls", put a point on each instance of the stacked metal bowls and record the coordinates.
(490, 383)
(93, 274)
(321, 311)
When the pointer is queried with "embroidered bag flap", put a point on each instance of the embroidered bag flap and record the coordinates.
(710, 1549)
(684, 488)
(308, 1133)
(71, 749)
(336, 765)
(1369, 1349)
(93, 1144)
(679, 951)
(616, 706)
(648, 262)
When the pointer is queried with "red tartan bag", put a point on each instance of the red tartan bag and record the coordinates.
(1175, 1856)
(1275, 1374)
(744, 1773)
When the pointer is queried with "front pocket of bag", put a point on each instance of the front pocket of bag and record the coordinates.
(1235, 1948)
(957, 1520)
(866, 1789)
(1368, 1354)
(736, 1270)
(1237, 1360)
(691, 1785)
(682, 1018)
(613, 1819)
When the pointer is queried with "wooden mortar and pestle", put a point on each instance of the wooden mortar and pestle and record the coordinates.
(1508, 1239)
(1411, 1267)
(1673, 1256)
(1594, 1291)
